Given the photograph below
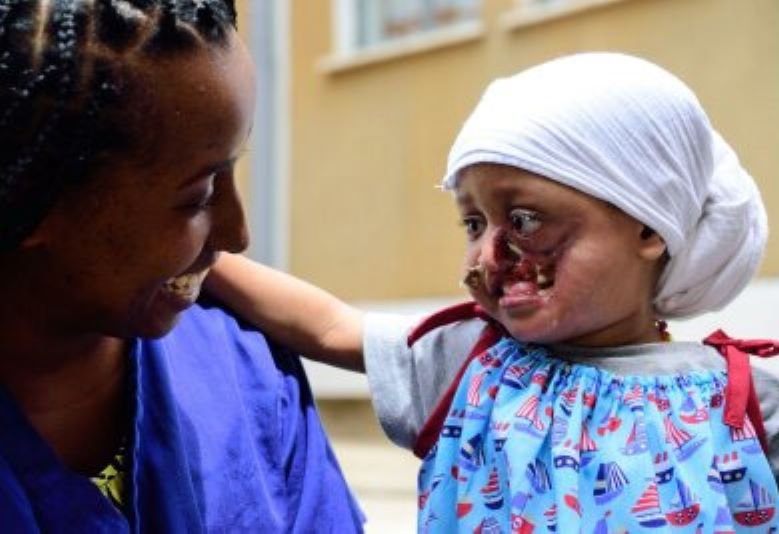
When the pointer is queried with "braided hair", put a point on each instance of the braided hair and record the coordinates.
(65, 82)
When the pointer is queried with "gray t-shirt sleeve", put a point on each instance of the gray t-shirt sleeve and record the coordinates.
(406, 383)
(766, 377)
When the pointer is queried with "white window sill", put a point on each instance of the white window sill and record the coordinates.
(416, 44)
(530, 15)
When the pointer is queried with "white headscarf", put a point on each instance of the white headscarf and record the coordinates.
(626, 131)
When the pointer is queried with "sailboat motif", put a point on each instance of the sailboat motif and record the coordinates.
(647, 508)
(538, 475)
(609, 423)
(568, 456)
(500, 431)
(515, 376)
(602, 526)
(609, 483)
(559, 430)
(550, 515)
(684, 443)
(691, 413)
(488, 359)
(637, 441)
(464, 507)
(723, 521)
(568, 399)
(717, 400)
(748, 436)
(521, 525)
(424, 496)
(587, 447)
(491, 493)
(730, 468)
(474, 397)
(664, 470)
(488, 525)
(529, 422)
(686, 509)
(634, 399)
(714, 479)
(757, 508)
(453, 425)
(660, 398)
(471, 454)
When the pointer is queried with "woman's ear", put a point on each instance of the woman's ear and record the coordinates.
(41, 234)
(651, 246)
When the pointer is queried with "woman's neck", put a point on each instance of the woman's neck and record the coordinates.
(70, 386)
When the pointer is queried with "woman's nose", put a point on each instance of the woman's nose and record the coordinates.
(229, 231)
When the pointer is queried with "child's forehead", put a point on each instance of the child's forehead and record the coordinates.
(487, 180)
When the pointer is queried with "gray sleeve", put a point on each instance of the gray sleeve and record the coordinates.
(406, 383)
(766, 376)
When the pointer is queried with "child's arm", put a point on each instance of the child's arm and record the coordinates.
(296, 314)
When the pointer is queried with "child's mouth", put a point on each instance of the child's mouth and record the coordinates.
(519, 279)
(524, 278)
(525, 283)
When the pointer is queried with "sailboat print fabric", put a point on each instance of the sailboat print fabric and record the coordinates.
(533, 443)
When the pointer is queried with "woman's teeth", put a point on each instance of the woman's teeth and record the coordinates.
(186, 285)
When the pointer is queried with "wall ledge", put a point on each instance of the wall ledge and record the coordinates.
(531, 15)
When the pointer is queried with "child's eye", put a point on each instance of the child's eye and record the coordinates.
(473, 226)
(525, 222)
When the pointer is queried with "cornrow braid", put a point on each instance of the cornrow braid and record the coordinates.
(65, 82)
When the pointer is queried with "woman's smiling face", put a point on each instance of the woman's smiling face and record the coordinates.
(554, 265)
(127, 251)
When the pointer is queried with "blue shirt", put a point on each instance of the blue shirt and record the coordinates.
(225, 438)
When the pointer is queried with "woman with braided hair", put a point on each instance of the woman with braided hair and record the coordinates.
(125, 405)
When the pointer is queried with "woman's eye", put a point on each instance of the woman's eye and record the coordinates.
(204, 202)
(202, 198)
(525, 222)
(473, 226)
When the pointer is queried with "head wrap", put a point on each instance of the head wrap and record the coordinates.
(622, 129)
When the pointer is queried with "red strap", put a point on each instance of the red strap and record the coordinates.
(428, 435)
(740, 395)
(464, 311)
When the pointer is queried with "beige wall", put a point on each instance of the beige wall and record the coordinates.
(368, 145)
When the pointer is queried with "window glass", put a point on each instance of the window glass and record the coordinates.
(373, 22)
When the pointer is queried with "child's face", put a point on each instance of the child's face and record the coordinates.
(554, 265)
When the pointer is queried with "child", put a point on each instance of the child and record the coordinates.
(597, 201)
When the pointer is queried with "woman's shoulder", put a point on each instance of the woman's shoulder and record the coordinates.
(210, 340)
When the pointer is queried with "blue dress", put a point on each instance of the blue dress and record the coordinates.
(533, 443)
(225, 438)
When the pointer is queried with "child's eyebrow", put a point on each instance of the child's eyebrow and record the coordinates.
(462, 197)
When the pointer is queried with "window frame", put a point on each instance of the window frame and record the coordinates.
(346, 56)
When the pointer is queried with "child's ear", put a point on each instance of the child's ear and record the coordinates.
(651, 246)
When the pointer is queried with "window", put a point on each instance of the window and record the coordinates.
(365, 24)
